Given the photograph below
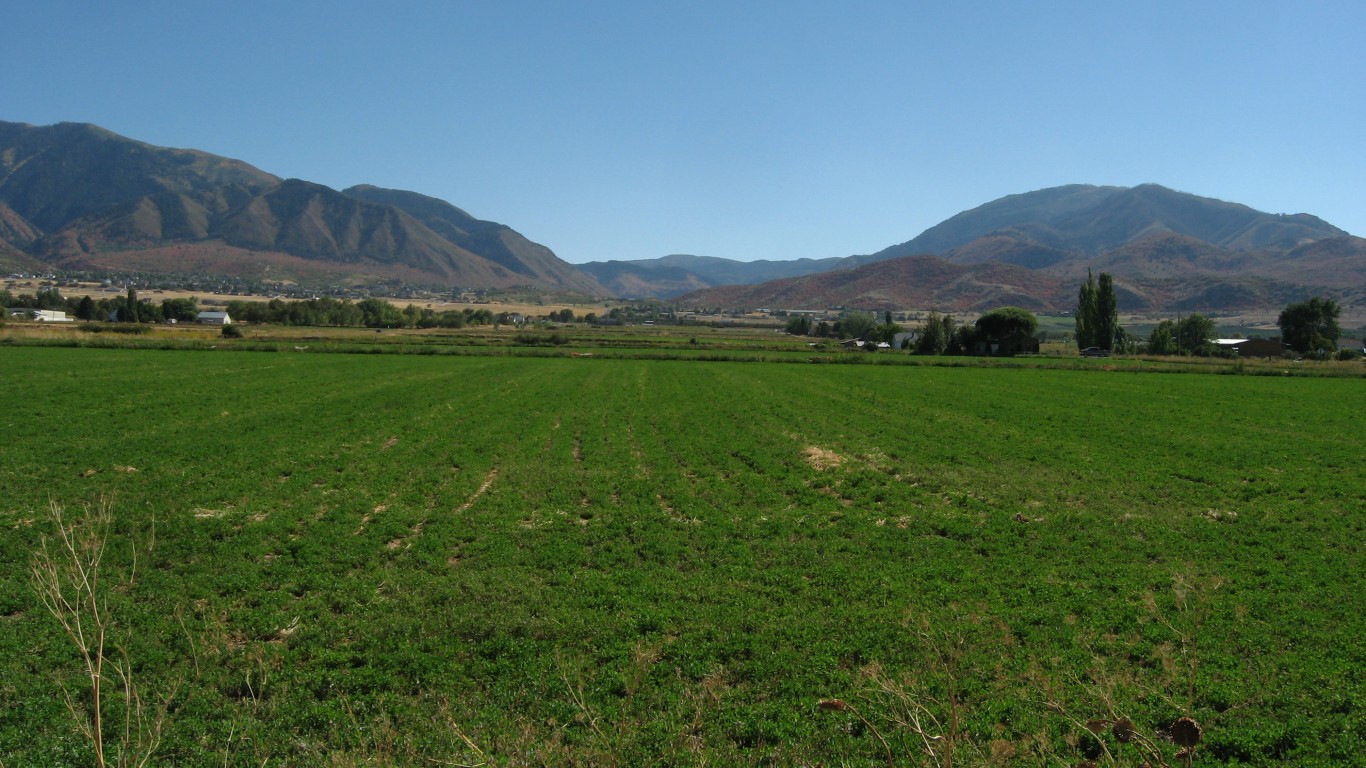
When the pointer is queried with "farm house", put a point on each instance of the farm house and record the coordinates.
(213, 318)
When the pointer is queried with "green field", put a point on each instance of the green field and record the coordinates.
(459, 560)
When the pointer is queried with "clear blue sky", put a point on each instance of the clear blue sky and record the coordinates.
(747, 130)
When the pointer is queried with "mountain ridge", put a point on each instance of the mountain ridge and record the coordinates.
(77, 196)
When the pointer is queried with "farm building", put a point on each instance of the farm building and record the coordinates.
(39, 315)
(213, 318)
(1252, 347)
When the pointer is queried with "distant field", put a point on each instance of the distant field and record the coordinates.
(441, 560)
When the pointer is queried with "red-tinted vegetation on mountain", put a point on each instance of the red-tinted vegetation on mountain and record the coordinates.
(80, 197)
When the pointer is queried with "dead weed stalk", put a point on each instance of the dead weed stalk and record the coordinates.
(66, 575)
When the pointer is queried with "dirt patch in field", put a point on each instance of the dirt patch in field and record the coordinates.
(488, 481)
(821, 459)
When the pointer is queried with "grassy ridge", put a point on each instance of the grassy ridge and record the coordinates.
(623, 561)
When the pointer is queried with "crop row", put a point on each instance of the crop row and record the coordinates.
(394, 559)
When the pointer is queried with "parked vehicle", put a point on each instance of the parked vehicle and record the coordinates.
(1095, 352)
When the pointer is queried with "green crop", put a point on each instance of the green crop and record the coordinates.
(402, 559)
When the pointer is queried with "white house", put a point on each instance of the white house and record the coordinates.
(213, 318)
(40, 315)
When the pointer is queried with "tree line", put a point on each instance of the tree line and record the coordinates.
(368, 313)
(125, 309)
(1307, 327)
(938, 335)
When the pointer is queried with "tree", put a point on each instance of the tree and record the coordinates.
(1162, 341)
(1106, 318)
(380, 314)
(885, 332)
(1086, 312)
(129, 314)
(86, 309)
(1193, 335)
(1310, 326)
(1097, 317)
(934, 334)
(856, 325)
(799, 325)
(1006, 322)
(964, 336)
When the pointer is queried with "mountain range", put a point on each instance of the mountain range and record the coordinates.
(1167, 250)
(78, 197)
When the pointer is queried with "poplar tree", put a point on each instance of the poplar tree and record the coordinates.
(1106, 319)
(1086, 312)
(131, 306)
(1098, 313)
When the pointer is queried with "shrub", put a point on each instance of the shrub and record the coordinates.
(231, 331)
(132, 329)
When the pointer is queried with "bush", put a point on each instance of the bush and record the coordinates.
(231, 331)
(537, 340)
(1347, 353)
(132, 329)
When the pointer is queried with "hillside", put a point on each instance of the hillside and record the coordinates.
(496, 242)
(80, 197)
(681, 273)
(1085, 221)
(54, 175)
(1168, 251)
(911, 281)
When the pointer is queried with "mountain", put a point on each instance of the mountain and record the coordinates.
(1085, 221)
(496, 242)
(54, 175)
(1166, 249)
(80, 197)
(680, 273)
(909, 281)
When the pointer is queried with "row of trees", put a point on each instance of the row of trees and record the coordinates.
(369, 313)
(1097, 315)
(939, 334)
(854, 325)
(1308, 326)
(1191, 335)
(125, 309)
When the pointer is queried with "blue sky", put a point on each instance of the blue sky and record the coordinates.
(746, 130)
